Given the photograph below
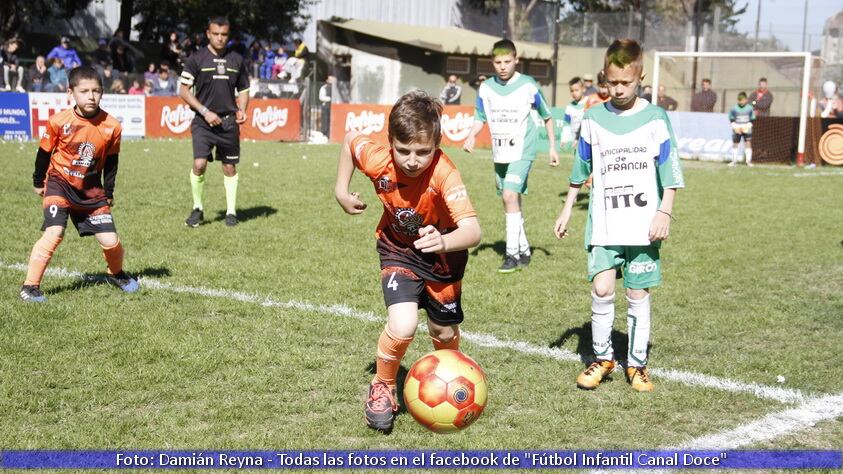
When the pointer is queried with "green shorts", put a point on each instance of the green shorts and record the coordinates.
(640, 266)
(512, 176)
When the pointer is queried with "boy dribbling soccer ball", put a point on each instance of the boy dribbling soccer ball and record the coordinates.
(427, 224)
(629, 145)
(79, 149)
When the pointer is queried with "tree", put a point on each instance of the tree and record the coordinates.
(265, 19)
(517, 14)
(16, 14)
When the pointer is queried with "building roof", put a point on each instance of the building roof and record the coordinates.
(449, 40)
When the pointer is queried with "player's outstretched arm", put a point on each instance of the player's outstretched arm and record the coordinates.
(551, 138)
(466, 235)
(468, 144)
(660, 226)
(350, 202)
(560, 228)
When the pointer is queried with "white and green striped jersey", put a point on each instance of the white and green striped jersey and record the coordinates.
(632, 155)
(507, 107)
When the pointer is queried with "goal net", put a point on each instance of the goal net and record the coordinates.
(700, 111)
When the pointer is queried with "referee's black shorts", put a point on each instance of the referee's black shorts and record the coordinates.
(225, 137)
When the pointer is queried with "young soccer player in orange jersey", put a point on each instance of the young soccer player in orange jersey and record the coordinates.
(81, 145)
(427, 224)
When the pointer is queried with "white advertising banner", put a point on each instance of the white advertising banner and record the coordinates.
(129, 110)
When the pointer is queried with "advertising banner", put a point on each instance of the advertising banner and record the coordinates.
(272, 119)
(14, 117)
(127, 109)
(168, 117)
(702, 135)
(372, 119)
(266, 119)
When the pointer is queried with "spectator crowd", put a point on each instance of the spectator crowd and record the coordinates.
(125, 71)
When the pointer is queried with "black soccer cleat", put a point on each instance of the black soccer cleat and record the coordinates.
(32, 294)
(510, 264)
(196, 217)
(524, 260)
(231, 220)
(380, 407)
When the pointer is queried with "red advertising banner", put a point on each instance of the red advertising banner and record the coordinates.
(272, 119)
(266, 119)
(168, 117)
(371, 119)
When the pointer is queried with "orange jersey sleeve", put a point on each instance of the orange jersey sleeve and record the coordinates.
(49, 140)
(369, 157)
(453, 191)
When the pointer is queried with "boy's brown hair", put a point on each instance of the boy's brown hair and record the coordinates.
(624, 52)
(416, 117)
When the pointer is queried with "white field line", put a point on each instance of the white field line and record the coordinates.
(774, 425)
(782, 395)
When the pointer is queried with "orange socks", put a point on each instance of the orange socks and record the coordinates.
(40, 257)
(391, 350)
(113, 258)
(453, 344)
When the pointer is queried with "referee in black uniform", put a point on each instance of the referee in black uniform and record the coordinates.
(210, 80)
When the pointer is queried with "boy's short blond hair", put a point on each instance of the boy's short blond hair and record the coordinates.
(624, 52)
(416, 117)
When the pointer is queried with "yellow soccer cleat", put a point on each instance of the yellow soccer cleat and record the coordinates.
(591, 377)
(639, 378)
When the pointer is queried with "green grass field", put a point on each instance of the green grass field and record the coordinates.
(263, 336)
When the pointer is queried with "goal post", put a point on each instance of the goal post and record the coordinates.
(740, 65)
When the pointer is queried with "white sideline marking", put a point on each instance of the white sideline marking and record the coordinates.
(782, 395)
(817, 173)
(774, 425)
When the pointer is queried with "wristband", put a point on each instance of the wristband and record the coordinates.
(668, 214)
(203, 111)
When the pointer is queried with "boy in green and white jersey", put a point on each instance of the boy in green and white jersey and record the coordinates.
(742, 116)
(506, 101)
(629, 145)
(576, 107)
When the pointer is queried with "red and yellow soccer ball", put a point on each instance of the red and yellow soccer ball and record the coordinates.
(445, 391)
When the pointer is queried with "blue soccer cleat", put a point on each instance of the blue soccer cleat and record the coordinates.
(124, 281)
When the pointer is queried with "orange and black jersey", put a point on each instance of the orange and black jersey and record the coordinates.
(437, 197)
(216, 79)
(74, 152)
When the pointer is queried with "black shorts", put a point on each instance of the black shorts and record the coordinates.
(225, 137)
(86, 221)
(440, 300)
(736, 137)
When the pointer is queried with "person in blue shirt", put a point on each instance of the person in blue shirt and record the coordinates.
(67, 54)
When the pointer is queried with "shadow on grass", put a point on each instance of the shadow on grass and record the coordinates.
(88, 279)
(620, 341)
(249, 213)
(582, 199)
(499, 248)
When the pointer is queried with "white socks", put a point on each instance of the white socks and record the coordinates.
(523, 245)
(514, 225)
(602, 319)
(638, 326)
(748, 152)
